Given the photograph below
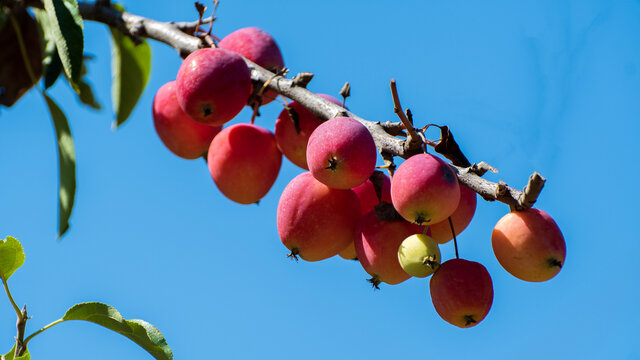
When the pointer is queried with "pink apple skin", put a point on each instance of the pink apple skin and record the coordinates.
(425, 190)
(314, 221)
(183, 136)
(377, 247)
(258, 46)
(341, 153)
(368, 197)
(529, 245)
(462, 292)
(292, 144)
(461, 217)
(213, 85)
(244, 162)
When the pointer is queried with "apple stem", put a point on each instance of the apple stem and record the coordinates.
(293, 255)
(455, 241)
(375, 281)
(256, 106)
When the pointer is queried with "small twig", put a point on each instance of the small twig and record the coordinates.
(201, 9)
(302, 79)
(189, 27)
(21, 325)
(388, 164)
(531, 191)
(397, 108)
(482, 168)
(213, 15)
(345, 92)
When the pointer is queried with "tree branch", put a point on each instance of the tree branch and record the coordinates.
(384, 134)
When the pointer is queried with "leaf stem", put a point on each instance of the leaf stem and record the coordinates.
(41, 330)
(15, 306)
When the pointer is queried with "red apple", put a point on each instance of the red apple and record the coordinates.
(315, 221)
(462, 292)
(213, 85)
(349, 253)
(367, 193)
(425, 190)
(377, 247)
(529, 245)
(292, 143)
(341, 153)
(179, 133)
(258, 46)
(244, 162)
(368, 197)
(461, 217)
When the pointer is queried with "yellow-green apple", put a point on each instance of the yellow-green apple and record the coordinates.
(419, 255)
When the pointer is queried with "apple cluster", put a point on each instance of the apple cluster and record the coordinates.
(341, 205)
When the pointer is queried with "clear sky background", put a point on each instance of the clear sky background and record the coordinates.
(552, 86)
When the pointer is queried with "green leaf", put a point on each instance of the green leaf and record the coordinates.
(139, 331)
(66, 27)
(51, 64)
(130, 69)
(67, 165)
(9, 355)
(86, 95)
(86, 92)
(11, 257)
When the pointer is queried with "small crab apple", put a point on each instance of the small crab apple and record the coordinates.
(213, 85)
(179, 133)
(529, 245)
(291, 142)
(425, 190)
(341, 153)
(419, 255)
(367, 192)
(462, 292)
(377, 247)
(258, 46)
(368, 197)
(349, 253)
(244, 162)
(461, 217)
(315, 221)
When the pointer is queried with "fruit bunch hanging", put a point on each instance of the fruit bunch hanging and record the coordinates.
(343, 205)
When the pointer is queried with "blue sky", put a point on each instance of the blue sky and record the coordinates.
(551, 86)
